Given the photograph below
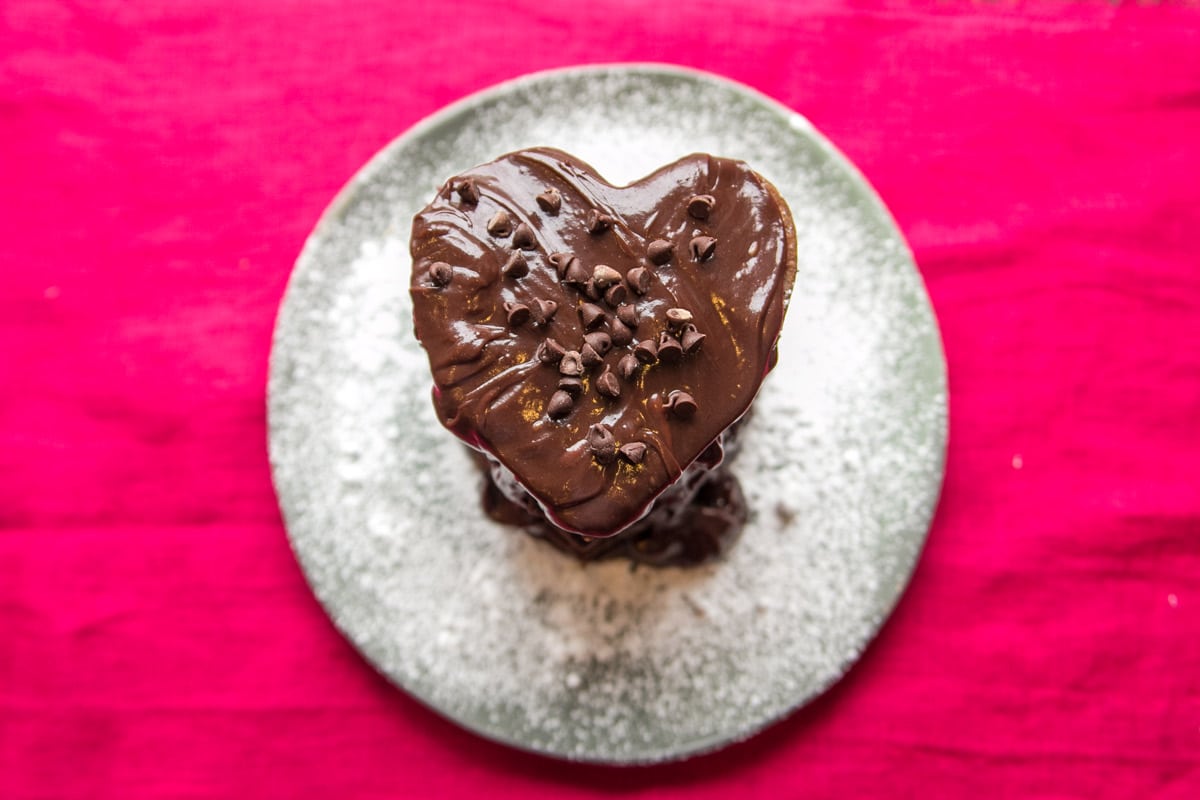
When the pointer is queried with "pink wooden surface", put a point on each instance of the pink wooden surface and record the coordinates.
(160, 166)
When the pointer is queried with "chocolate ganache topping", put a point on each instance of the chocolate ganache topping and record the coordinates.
(593, 339)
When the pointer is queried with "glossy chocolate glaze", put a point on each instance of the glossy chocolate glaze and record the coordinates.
(697, 532)
(694, 521)
(493, 391)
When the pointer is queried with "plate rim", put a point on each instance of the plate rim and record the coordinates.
(330, 216)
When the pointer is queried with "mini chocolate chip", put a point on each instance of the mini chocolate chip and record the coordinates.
(523, 237)
(561, 261)
(544, 311)
(440, 273)
(516, 266)
(518, 314)
(703, 247)
(571, 364)
(621, 335)
(589, 357)
(678, 316)
(576, 274)
(692, 339)
(627, 367)
(592, 315)
(590, 291)
(639, 279)
(607, 384)
(616, 294)
(597, 222)
(633, 452)
(669, 348)
(701, 205)
(660, 251)
(628, 314)
(681, 404)
(646, 351)
(600, 341)
(499, 224)
(550, 351)
(605, 276)
(560, 405)
(572, 386)
(550, 201)
(467, 192)
(601, 443)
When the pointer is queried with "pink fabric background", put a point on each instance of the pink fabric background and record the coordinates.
(160, 166)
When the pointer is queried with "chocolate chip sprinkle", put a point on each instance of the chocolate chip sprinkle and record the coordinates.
(669, 348)
(700, 206)
(681, 404)
(560, 405)
(601, 443)
(573, 386)
(550, 351)
(600, 341)
(550, 201)
(517, 313)
(598, 222)
(607, 384)
(628, 366)
(621, 335)
(616, 295)
(590, 291)
(691, 339)
(500, 224)
(703, 247)
(561, 261)
(639, 279)
(589, 357)
(576, 274)
(523, 237)
(516, 266)
(604, 276)
(571, 364)
(628, 315)
(646, 351)
(593, 316)
(660, 251)
(440, 273)
(544, 311)
(633, 452)
(467, 192)
(677, 317)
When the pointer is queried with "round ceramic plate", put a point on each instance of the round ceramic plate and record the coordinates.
(842, 460)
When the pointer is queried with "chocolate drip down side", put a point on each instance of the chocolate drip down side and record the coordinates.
(595, 340)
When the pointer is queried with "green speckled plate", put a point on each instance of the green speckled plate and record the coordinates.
(842, 461)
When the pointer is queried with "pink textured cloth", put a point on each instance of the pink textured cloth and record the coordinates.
(160, 166)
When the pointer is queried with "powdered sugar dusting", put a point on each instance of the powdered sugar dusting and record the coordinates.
(841, 462)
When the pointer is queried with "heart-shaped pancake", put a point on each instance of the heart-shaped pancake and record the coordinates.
(594, 339)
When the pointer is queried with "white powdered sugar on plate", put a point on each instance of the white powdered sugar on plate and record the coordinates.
(841, 463)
